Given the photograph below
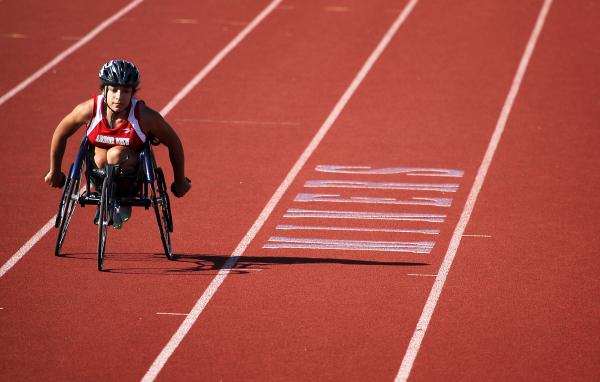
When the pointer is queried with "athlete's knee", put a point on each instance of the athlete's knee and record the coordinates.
(117, 155)
(123, 156)
(100, 160)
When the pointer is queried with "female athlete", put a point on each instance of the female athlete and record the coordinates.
(117, 125)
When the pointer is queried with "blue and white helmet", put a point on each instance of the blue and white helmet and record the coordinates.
(120, 73)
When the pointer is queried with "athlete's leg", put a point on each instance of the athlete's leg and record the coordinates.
(123, 156)
(127, 159)
(100, 157)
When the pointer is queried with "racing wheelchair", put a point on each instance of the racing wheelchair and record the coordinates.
(148, 190)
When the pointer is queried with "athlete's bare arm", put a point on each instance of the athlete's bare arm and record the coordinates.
(152, 122)
(67, 127)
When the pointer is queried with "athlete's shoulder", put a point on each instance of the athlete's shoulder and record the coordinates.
(147, 115)
(84, 110)
(87, 104)
(145, 109)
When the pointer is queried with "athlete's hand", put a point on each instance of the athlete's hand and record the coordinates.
(55, 179)
(154, 141)
(181, 188)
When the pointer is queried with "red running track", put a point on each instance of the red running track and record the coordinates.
(519, 299)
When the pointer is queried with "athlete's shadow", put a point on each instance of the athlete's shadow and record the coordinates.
(210, 264)
(248, 264)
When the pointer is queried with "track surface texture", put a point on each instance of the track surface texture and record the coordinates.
(382, 190)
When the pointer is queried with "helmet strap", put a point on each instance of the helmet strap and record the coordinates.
(106, 103)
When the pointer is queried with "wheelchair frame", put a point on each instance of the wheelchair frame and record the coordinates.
(151, 192)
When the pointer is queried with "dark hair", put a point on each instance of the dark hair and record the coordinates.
(102, 85)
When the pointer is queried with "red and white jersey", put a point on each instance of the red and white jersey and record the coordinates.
(127, 133)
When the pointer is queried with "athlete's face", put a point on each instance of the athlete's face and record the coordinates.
(118, 97)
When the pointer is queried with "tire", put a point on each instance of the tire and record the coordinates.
(163, 214)
(164, 195)
(105, 216)
(66, 208)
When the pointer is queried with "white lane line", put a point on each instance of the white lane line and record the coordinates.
(278, 242)
(27, 246)
(219, 57)
(15, 35)
(212, 288)
(436, 290)
(234, 122)
(84, 40)
(334, 8)
(185, 21)
(358, 229)
(389, 216)
(178, 97)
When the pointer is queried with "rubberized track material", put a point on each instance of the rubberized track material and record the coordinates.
(333, 282)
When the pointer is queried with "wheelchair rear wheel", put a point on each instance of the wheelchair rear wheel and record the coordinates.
(162, 210)
(162, 192)
(66, 208)
(106, 207)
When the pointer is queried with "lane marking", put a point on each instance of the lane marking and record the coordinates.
(436, 290)
(219, 57)
(408, 171)
(476, 235)
(171, 314)
(277, 242)
(336, 198)
(390, 216)
(15, 35)
(84, 40)
(185, 21)
(439, 187)
(212, 288)
(234, 122)
(27, 246)
(178, 97)
(357, 229)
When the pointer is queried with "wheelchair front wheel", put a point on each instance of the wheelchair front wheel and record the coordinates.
(66, 208)
(106, 208)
